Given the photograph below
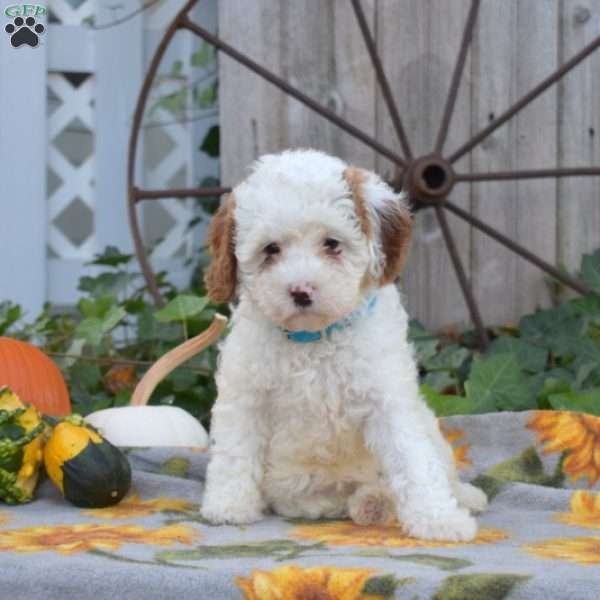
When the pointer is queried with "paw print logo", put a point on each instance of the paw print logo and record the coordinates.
(24, 31)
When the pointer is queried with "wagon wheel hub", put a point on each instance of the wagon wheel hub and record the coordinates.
(428, 180)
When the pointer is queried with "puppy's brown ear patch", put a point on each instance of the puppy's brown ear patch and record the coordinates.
(395, 223)
(221, 275)
(355, 179)
(396, 231)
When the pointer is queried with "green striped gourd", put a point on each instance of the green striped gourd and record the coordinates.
(21, 448)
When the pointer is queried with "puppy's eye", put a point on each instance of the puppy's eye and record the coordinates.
(331, 244)
(272, 249)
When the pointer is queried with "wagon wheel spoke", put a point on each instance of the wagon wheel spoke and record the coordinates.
(465, 286)
(525, 100)
(292, 91)
(132, 152)
(529, 174)
(456, 75)
(565, 278)
(141, 194)
(386, 90)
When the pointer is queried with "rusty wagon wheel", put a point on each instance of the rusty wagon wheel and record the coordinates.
(429, 179)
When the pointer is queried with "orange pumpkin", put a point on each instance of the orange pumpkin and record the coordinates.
(28, 372)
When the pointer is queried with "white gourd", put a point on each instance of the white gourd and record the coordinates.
(149, 426)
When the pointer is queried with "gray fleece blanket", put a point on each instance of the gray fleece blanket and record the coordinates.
(540, 537)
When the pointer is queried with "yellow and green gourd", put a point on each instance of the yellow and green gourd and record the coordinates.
(88, 470)
(21, 443)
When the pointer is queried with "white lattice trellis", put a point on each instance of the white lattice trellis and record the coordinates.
(68, 188)
(75, 111)
(72, 12)
(174, 169)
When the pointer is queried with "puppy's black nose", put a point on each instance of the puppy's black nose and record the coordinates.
(301, 298)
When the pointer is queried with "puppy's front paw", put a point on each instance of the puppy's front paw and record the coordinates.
(450, 526)
(236, 510)
(234, 514)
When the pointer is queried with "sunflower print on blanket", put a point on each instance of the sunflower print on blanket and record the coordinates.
(585, 511)
(132, 507)
(460, 450)
(74, 539)
(576, 434)
(316, 583)
(347, 533)
(580, 550)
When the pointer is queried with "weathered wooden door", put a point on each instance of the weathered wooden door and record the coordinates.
(317, 46)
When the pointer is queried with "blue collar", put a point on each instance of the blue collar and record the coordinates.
(315, 336)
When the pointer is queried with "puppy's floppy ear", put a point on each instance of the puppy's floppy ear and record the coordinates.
(221, 276)
(355, 179)
(396, 224)
(384, 216)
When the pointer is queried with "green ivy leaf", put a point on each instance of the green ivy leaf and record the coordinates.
(588, 307)
(9, 314)
(589, 380)
(134, 306)
(177, 68)
(122, 398)
(558, 329)
(87, 375)
(590, 270)
(587, 372)
(445, 405)
(85, 402)
(106, 284)
(530, 357)
(440, 380)
(587, 401)
(96, 307)
(93, 329)
(173, 103)
(182, 307)
(74, 350)
(497, 383)
(151, 330)
(586, 352)
(424, 342)
(183, 379)
(111, 257)
(450, 358)
(554, 382)
(206, 97)
(203, 56)
(90, 330)
(112, 318)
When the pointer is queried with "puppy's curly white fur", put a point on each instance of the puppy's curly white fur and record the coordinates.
(335, 426)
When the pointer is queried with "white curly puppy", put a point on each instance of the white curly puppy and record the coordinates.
(318, 411)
